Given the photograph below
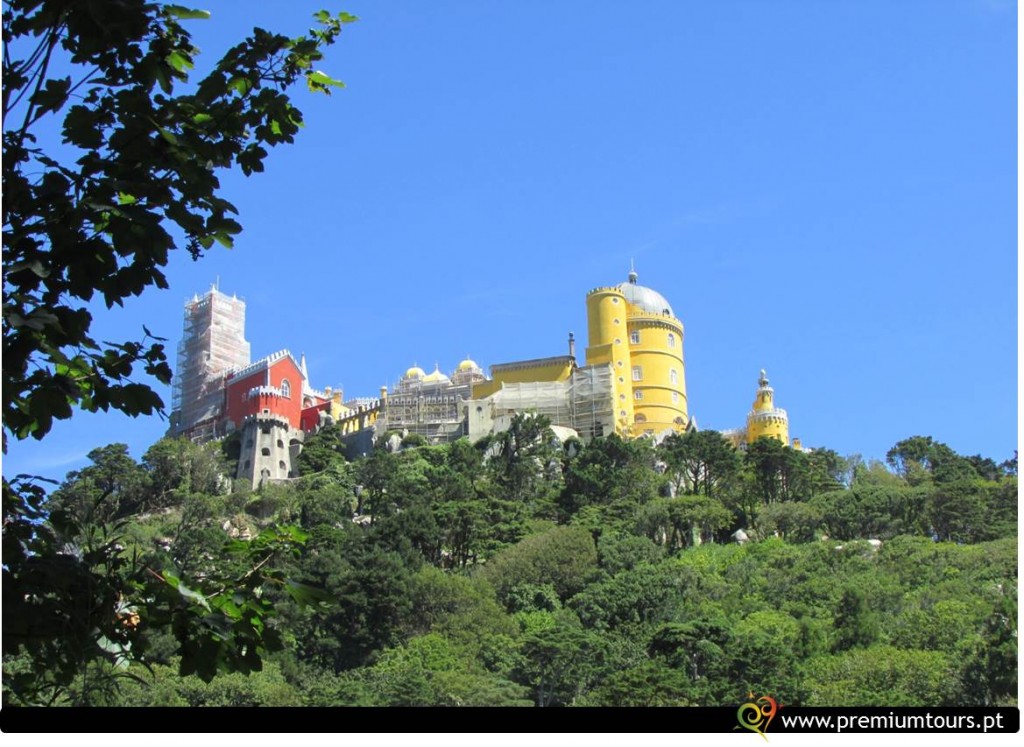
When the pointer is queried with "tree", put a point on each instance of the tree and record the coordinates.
(141, 178)
(135, 178)
(779, 472)
(920, 459)
(110, 488)
(699, 461)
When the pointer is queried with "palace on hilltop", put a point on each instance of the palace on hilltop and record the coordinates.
(632, 382)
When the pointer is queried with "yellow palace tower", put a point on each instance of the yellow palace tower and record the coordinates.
(765, 420)
(633, 329)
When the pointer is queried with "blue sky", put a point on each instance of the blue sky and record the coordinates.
(826, 190)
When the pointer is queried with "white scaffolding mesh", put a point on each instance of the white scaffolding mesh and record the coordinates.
(583, 402)
(213, 342)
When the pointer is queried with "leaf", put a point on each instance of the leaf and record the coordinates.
(318, 80)
(123, 198)
(307, 595)
(186, 14)
(192, 596)
(201, 118)
(179, 61)
(240, 84)
(168, 136)
(53, 96)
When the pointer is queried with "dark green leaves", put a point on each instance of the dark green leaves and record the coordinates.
(139, 180)
(184, 14)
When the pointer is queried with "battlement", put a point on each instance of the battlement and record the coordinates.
(264, 391)
(262, 363)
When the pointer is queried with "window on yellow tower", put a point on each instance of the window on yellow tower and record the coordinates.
(638, 373)
(634, 337)
(640, 418)
(638, 394)
(673, 376)
(671, 340)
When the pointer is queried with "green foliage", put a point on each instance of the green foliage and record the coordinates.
(701, 462)
(678, 523)
(141, 165)
(178, 467)
(562, 557)
(872, 511)
(612, 476)
(560, 662)
(856, 626)
(423, 600)
(779, 473)
(65, 599)
(321, 451)
(882, 676)
(920, 459)
(794, 522)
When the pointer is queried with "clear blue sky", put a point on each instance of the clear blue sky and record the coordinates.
(826, 190)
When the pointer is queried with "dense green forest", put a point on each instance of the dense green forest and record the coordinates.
(517, 571)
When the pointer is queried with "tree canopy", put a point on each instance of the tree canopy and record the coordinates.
(136, 178)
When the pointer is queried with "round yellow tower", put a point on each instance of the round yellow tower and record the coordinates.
(632, 328)
(609, 344)
(656, 373)
(765, 420)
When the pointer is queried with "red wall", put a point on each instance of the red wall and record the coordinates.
(239, 406)
(311, 415)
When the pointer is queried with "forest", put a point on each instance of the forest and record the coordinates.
(516, 571)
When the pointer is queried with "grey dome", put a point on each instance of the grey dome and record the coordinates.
(645, 298)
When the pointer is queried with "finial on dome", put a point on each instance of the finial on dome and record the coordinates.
(633, 277)
(763, 380)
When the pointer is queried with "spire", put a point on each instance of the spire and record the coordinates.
(633, 277)
(302, 367)
(765, 397)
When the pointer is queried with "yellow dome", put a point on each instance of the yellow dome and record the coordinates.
(415, 373)
(468, 365)
(436, 377)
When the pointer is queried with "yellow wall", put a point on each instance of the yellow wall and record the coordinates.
(541, 369)
(765, 420)
(608, 338)
(662, 373)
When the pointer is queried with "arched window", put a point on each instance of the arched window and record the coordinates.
(634, 337)
(673, 376)
(286, 388)
(671, 340)
(640, 418)
(638, 373)
(638, 394)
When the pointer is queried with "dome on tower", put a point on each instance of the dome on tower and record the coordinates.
(414, 373)
(436, 377)
(644, 298)
(468, 365)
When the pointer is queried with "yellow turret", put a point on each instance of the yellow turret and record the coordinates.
(765, 420)
(633, 329)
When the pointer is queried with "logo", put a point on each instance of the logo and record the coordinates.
(757, 713)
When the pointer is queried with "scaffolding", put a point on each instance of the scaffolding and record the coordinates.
(436, 412)
(213, 343)
(583, 402)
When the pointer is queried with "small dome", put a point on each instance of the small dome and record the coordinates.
(468, 365)
(415, 373)
(436, 377)
(644, 298)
